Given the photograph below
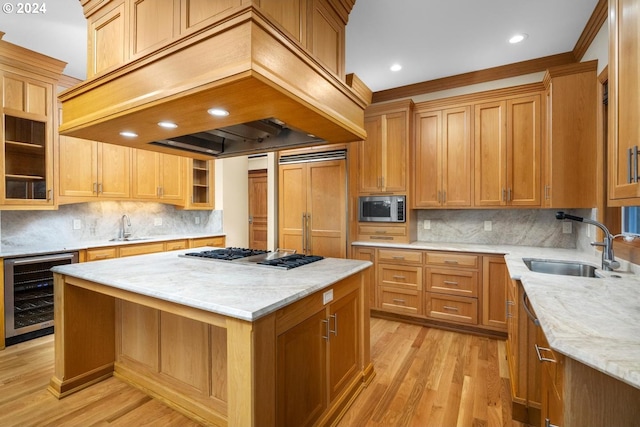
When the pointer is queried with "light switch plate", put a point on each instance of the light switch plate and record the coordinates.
(488, 226)
(157, 222)
(566, 227)
(427, 224)
(77, 224)
(327, 297)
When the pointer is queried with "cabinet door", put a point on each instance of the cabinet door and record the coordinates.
(524, 141)
(344, 350)
(456, 157)
(369, 156)
(114, 166)
(624, 112)
(490, 145)
(172, 179)
(145, 174)
(367, 254)
(302, 372)
(77, 172)
(107, 39)
(494, 292)
(326, 208)
(394, 152)
(292, 205)
(427, 160)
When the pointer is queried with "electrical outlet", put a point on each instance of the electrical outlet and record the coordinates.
(77, 224)
(427, 224)
(487, 226)
(157, 222)
(327, 297)
(197, 220)
(566, 227)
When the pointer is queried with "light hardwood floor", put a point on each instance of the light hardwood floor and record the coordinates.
(425, 377)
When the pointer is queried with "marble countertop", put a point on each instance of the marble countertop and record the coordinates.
(595, 321)
(8, 251)
(243, 291)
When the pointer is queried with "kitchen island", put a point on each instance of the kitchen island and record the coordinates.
(226, 344)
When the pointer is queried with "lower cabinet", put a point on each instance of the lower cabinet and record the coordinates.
(317, 358)
(96, 254)
(452, 288)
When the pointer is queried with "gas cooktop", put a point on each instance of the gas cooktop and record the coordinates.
(281, 258)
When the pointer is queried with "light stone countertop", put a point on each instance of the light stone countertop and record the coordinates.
(242, 291)
(38, 248)
(595, 321)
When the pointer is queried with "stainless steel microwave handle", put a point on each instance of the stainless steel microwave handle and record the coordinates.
(44, 258)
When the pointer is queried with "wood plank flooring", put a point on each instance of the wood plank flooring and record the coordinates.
(425, 377)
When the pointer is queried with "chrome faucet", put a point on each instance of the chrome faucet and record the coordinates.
(124, 231)
(609, 262)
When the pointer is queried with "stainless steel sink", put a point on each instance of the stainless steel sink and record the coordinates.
(128, 239)
(565, 268)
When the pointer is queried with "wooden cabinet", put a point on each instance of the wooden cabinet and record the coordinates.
(213, 241)
(200, 184)
(317, 357)
(90, 170)
(524, 369)
(312, 207)
(442, 161)
(367, 254)
(158, 177)
(507, 143)
(399, 281)
(97, 254)
(383, 157)
(452, 287)
(495, 280)
(27, 81)
(140, 249)
(570, 137)
(624, 104)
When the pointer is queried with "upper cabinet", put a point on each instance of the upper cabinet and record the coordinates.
(200, 184)
(159, 177)
(624, 103)
(383, 157)
(27, 81)
(570, 139)
(89, 170)
(442, 160)
(507, 139)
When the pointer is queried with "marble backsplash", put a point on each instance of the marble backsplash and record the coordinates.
(522, 227)
(102, 221)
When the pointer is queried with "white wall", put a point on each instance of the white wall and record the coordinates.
(599, 48)
(232, 184)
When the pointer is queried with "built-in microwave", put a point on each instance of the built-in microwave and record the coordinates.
(381, 208)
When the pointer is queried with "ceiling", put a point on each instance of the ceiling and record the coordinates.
(429, 38)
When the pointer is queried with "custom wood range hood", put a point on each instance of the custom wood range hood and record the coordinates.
(278, 91)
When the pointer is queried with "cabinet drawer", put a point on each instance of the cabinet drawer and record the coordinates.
(147, 248)
(102, 253)
(174, 245)
(403, 301)
(452, 308)
(452, 282)
(398, 255)
(400, 276)
(216, 242)
(383, 233)
(452, 259)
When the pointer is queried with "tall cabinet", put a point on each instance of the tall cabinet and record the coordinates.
(624, 103)
(312, 206)
(27, 81)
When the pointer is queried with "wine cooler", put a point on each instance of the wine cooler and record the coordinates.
(28, 295)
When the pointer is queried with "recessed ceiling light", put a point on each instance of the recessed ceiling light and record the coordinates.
(167, 125)
(128, 134)
(396, 67)
(218, 112)
(518, 38)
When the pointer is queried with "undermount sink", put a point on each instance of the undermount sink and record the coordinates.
(128, 239)
(565, 268)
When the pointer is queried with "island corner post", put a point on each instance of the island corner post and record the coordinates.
(89, 336)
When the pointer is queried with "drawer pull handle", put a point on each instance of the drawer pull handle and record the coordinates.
(381, 231)
(102, 256)
(399, 277)
(450, 261)
(381, 237)
(542, 358)
(398, 257)
(449, 282)
(451, 308)
(399, 301)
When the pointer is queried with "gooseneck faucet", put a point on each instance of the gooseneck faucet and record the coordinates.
(124, 231)
(609, 262)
